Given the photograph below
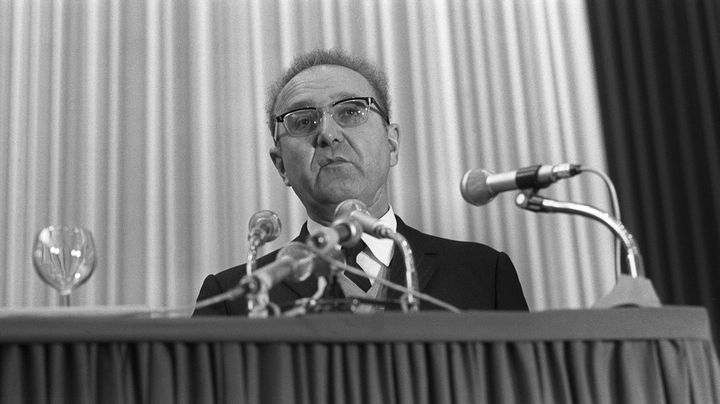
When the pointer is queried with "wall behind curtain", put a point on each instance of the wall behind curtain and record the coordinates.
(143, 121)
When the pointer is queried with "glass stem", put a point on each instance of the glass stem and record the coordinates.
(65, 300)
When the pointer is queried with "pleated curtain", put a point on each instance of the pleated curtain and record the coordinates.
(144, 122)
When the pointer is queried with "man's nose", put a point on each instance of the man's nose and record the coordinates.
(329, 131)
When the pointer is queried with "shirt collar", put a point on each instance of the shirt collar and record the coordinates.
(382, 248)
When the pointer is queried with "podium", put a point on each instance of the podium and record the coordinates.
(630, 355)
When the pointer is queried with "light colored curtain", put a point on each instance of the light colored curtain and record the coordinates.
(143, 121)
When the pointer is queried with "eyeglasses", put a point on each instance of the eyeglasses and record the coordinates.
(347, 113)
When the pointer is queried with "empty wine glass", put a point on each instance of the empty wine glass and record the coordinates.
(64, 257)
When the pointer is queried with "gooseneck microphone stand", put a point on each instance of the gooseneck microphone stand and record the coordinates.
(630, 290)
(409, 300)
(357, 210)
(264, 226)
(255, 305)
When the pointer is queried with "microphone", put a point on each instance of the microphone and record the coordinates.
(357, 211)
(294, 262)
(264, 227)
(343, 231)
(479, 186)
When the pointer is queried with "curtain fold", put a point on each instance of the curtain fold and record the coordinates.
(659, 371)
(144, 122)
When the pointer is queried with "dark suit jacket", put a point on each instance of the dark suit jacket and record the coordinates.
(470, 276)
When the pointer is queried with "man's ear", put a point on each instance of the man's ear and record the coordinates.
(277, 160)
(393, 135)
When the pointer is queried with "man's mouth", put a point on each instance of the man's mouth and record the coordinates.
(333, 161)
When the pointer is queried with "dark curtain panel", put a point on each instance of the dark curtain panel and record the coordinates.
(658, 71)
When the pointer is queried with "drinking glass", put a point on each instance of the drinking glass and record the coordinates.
(64, 257)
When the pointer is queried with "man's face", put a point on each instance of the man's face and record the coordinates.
(334, 163)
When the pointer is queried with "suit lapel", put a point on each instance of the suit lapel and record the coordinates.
(308, 287)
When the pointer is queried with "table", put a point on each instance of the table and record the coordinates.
(629, 355)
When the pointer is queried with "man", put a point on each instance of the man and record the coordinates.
(333, 141)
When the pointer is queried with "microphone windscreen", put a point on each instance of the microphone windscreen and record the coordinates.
(299, 252)
(348, 206)
(266, 225)
(474, 188)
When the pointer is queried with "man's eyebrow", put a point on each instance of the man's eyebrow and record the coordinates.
(298, 105)
(344, 95)
(307, 104)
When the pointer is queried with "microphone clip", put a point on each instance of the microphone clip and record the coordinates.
(528, 199)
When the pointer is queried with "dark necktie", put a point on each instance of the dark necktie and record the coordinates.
(351, 254)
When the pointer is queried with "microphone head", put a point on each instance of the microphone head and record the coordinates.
(265, 226)
(298, 251)
(474, 188)
(354, 232)
(348, 206)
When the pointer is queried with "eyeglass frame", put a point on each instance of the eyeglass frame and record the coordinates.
(369, 100)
